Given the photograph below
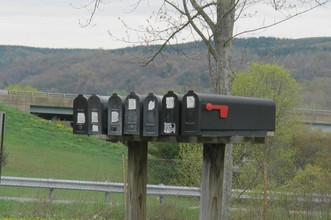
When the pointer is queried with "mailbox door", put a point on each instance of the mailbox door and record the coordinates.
(80, 115)
(115, 115)
(151, 115)
(190, 114)
(133, 114)
(170, 114)
(97, 114)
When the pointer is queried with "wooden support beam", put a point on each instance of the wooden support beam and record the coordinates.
(212, 182)
(137, 180)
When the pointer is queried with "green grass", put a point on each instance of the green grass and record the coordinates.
(171, 210)
(38, 148)
(35, 147)
(45, 210)
(46, 149)
(41, 149)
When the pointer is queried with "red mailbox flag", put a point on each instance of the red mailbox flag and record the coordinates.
(222, 108)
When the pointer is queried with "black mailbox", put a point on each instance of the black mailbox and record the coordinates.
(115, 115)
(80, 115)
(170, 115)
(210, 115)
(151, 115)
(133, 114)
(97, 114)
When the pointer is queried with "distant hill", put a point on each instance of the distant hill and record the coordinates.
(105, 71)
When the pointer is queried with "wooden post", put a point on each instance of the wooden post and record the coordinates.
(125, 185)
(107, 197)
(137, 180)
(51, 195)
(265, 193)
(212, 181)
(2, 134)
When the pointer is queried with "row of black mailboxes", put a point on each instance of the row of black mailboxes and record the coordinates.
(173, 114)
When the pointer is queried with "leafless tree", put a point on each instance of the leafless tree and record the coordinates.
(211, 21)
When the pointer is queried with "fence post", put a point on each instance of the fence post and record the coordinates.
(265, 192)
(107, 197)
(51, 194)
(2, 134)
(161, 197)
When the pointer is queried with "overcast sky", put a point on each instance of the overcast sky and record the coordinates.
(56, 23)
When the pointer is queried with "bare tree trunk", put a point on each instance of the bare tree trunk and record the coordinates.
(223, 48)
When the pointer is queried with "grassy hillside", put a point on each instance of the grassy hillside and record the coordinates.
(38, 148)
(43, 149)
(35, 147)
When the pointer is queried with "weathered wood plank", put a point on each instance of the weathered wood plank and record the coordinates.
(137, 180)
(186, 139)
(212, 182)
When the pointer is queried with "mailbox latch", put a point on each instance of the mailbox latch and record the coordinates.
(223, 109)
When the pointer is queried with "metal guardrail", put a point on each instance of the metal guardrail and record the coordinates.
(39, 94)
(107, 187)
(158, 190)
(61, 184)
(311, 111)
(313, 116)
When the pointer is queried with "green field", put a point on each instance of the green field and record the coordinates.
(47, 149)
(35, 147)
(38, 148)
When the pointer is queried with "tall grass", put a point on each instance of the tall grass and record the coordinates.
(46, 210)
(38, 148)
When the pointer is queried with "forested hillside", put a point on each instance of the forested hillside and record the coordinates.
(105, 71)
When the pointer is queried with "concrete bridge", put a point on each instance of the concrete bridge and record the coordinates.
(316, 118)
(49, 105)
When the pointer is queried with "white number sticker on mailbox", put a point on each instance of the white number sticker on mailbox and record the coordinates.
(94, 117)
(151, 105)
(190, 102)
(114, 117)
(95, 128)
(170, 102)
(132, 104)
(80, 118)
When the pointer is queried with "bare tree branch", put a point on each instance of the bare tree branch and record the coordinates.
(165, 43)
(278, 22)
(199, 32)
(201, 12)
(96, 4)
(175, 7)
(241, 9)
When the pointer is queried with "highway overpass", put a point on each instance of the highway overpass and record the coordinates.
(49, 105)
(46, 105)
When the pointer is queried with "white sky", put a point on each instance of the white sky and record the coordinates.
(55, 23)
